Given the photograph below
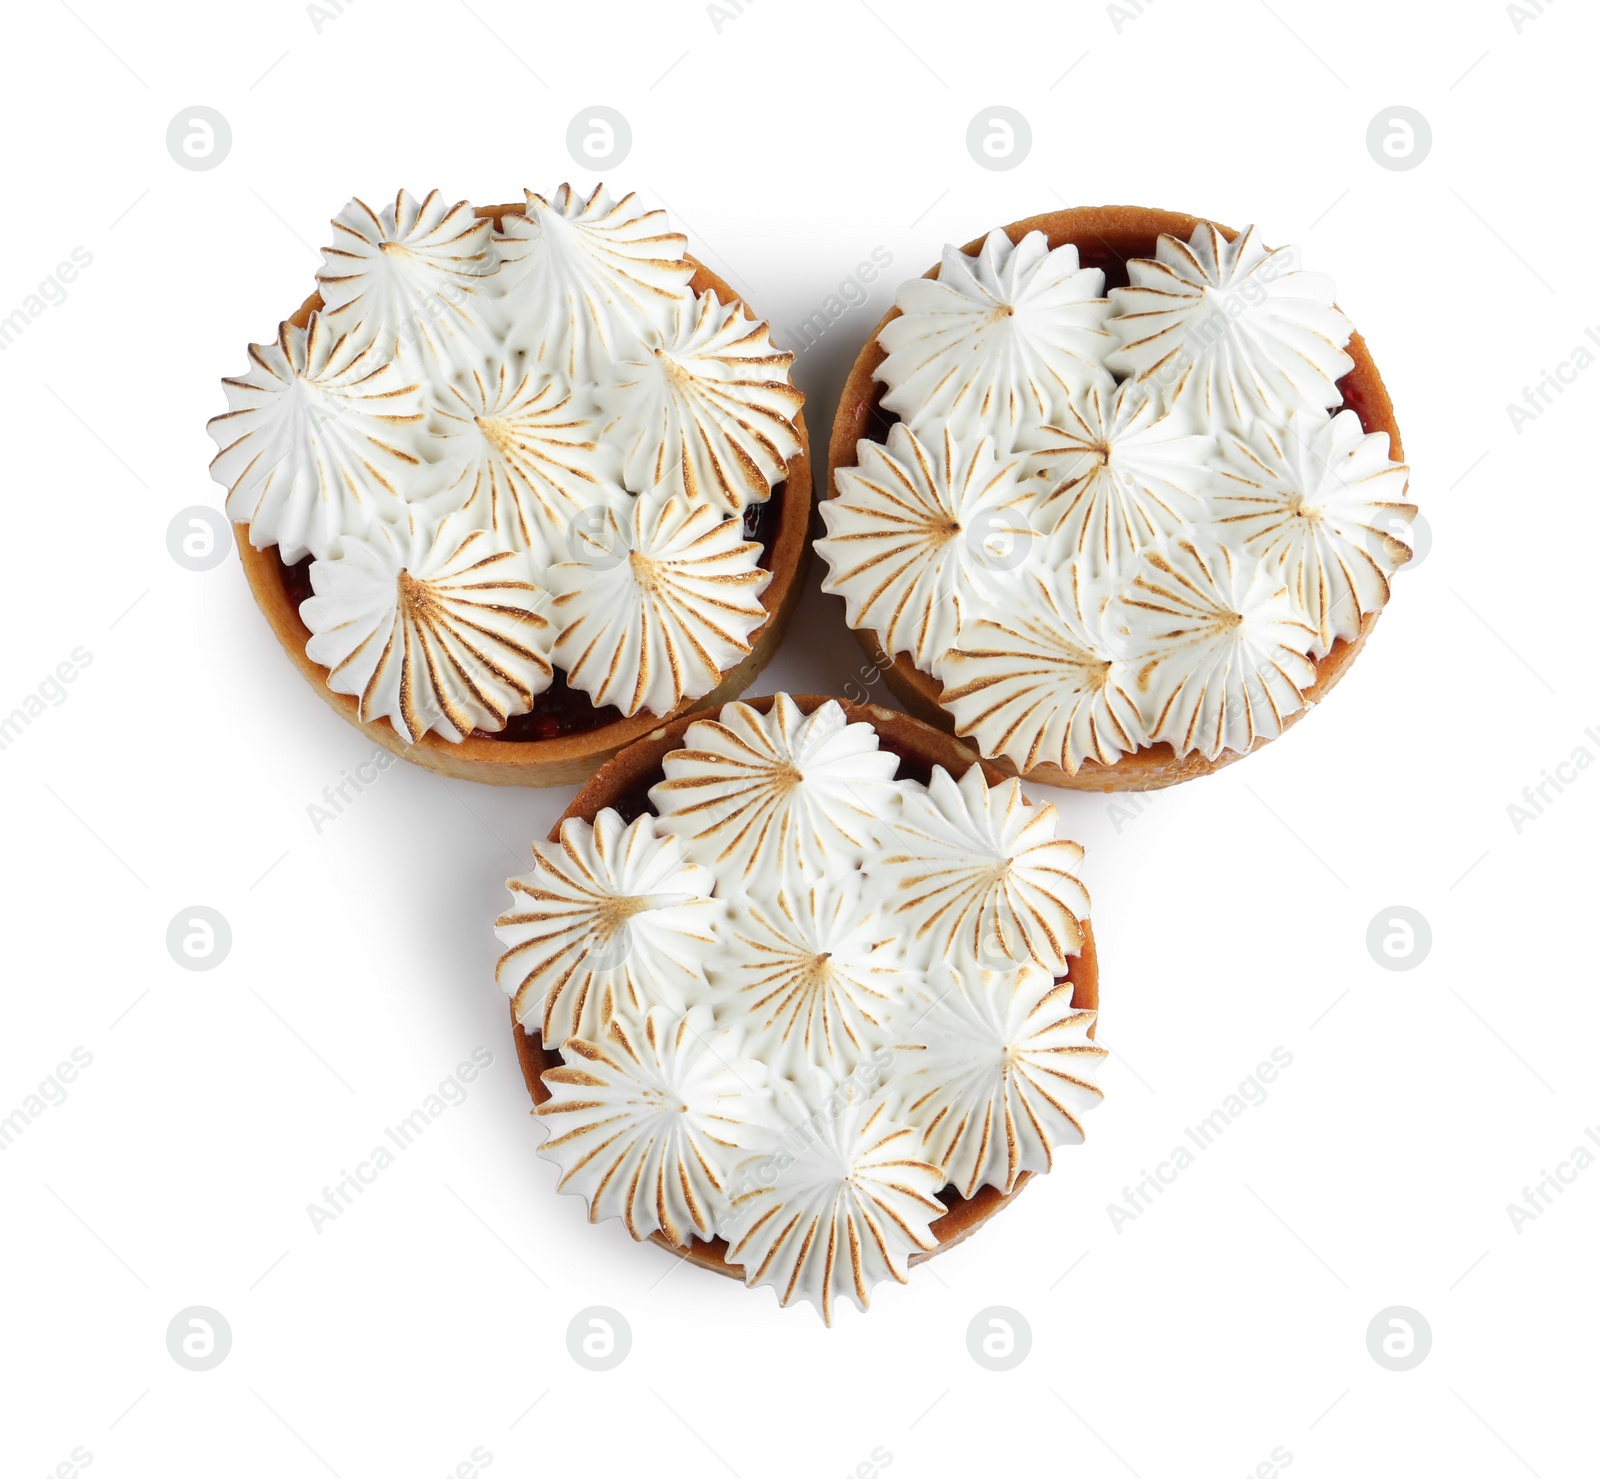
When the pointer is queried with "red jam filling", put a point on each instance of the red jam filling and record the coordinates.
(1355, 399)
(1115, 267)
(912, 767)
(635, 802)
(561, 711)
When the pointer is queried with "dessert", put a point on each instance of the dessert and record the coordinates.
(518, 482)
(1115, 494)
(804, 992)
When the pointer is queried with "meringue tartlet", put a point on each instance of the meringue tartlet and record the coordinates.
(518, 482)
(1115, 493)
(804, 992)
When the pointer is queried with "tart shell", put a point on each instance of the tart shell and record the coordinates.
(920, 746)
(1106, 236)
(570, 759)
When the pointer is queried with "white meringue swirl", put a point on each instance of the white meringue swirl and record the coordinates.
(1120, 472)
(1002, 1069)
(814, 975)
(978, 876)
(519, 454)
(647, 1123)
(782, 797)
(585, 282)
(321, 436)
(663, 595)
(1219, 646)
(841, 1205)
(430, 627)
(1317, 501)
(920, 536)
(1001, 339)
(413, 278)
(611, 918)
(1041, 685)
(1235, 325)
(708, 409)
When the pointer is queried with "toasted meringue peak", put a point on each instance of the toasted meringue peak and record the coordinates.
(977, 876)
(413, 277)
(1235, 325)
(647, 1122)
(589, 281)
(430, 626)
(519, 454)
(839, 1206)
(781, 797)
(1039, 683)
(999, 341)
(1317, 501)
(1120, 472)
(920, 535)
(611, 918)
(1002, 1069)
(321, 435)
(709, 409)
(813, 974)
(661, 595)
(1217, 643)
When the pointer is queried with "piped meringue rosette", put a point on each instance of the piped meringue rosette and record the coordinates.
(805, 992)
(511, 473)
(1116, 495)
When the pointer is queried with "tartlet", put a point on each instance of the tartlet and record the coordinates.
(1025, 440)
(735, 827)
(673, 395)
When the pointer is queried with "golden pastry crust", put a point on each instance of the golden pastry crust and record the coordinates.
(921, 747)
(1100, 233)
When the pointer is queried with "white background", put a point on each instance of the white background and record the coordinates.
(1227, 1320)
